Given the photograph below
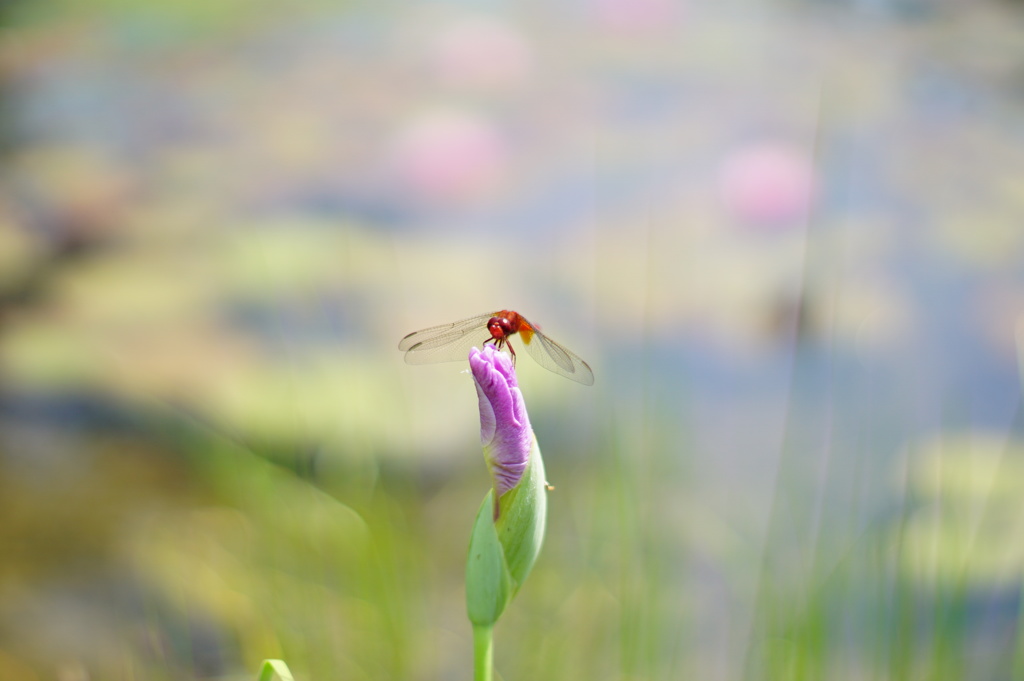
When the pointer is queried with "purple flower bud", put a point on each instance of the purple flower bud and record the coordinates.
(504, 425)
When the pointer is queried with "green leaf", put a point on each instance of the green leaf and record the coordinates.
(488, 583)
(274, 669)
(521, 520)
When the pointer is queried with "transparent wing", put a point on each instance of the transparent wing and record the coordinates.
(558, 359)
(446, 342)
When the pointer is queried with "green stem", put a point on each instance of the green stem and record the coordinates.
(483, 652)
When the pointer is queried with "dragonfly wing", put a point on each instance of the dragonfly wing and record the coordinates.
(454, 351)
(443, 333)
(559, 359)
(446, 342)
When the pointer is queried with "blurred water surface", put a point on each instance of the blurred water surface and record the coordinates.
(786, 236)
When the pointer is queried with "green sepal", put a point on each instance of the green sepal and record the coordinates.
(488, 583)
(522, 513)
(502, 553)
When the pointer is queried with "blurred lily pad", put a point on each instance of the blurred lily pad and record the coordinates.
(19, 251)
(985, 239)
(345, 402)
(136, 289)
(42, 353)
(968, 513)
(278, 260)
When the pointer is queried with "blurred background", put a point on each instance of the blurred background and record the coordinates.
(787, 236)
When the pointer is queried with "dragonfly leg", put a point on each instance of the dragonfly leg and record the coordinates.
(500, 343)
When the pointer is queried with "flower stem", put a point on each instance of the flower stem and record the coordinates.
(483, 652)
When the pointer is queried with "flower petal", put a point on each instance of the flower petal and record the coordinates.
(504, 425)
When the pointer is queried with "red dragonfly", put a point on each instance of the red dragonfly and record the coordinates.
(451, 342)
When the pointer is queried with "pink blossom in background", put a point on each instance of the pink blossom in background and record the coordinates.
(449, 155)
(482, 52)
(767, 184)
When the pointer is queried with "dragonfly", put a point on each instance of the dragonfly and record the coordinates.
(451, 342)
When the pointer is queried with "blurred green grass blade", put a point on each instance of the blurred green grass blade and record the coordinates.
(275, 669)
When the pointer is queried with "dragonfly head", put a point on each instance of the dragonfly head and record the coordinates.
(500, 328)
